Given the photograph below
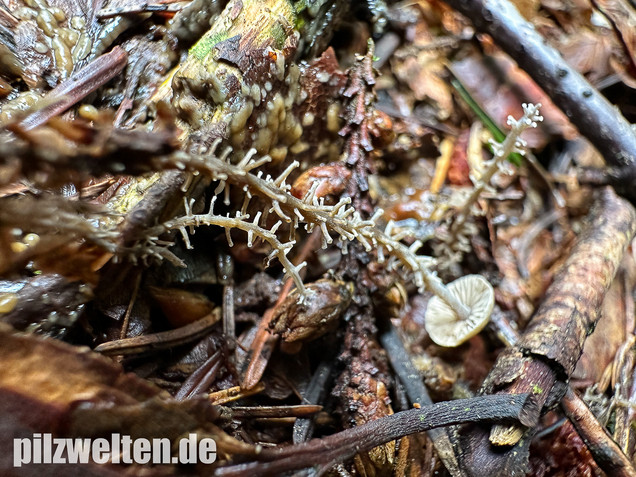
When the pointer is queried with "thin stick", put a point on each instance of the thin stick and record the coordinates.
(234, 394)
(163, 340)
(605, 451)
(303, 428)
(301, 410)
(417, 393)
(95, 74)
(133, 298)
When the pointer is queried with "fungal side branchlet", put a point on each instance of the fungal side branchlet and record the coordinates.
(454, 240)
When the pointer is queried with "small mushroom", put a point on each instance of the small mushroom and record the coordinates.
(445, 326)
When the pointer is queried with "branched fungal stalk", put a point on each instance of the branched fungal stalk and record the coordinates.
(240, 221)
(310, 211)
(340, 219)
(456, 243)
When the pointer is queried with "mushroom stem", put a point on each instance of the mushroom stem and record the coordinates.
(430, 280)
(435, 285)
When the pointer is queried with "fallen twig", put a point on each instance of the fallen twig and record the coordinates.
(304, 427)
(344, 445)
(594, 116)
(418, 394)
(606, 453)
(95, 74)
(162, 340)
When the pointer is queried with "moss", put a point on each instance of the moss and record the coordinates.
(205, 45)
(278, 34)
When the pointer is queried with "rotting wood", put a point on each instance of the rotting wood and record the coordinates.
(250, 42)
(362, 387)
(193, 20)
(594, 116)
(547, 353)
(164, 176)
(241, 82)
(244, 82)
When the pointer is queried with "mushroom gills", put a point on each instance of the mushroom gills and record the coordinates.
(443, 324)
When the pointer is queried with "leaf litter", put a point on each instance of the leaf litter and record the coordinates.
(139, 213)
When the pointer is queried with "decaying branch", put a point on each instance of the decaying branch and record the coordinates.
(417, 393)
(547, 353)
(606, 452)
(363, 382)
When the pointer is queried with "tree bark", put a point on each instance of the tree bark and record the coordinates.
(545, 356)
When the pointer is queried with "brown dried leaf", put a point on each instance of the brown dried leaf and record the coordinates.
(50, 386)
(423, 75)
(459, 169)
(43, 381)
(589, 53)
(562, 453)
(623, 20)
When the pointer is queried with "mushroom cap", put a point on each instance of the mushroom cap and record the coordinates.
(442, 323)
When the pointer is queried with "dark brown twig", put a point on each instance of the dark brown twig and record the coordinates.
(162, 340)
(417, 393)
(303, 428)
(344, 445)
(606, 453)
(95, 74)
(301, 410)
(200, 381)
